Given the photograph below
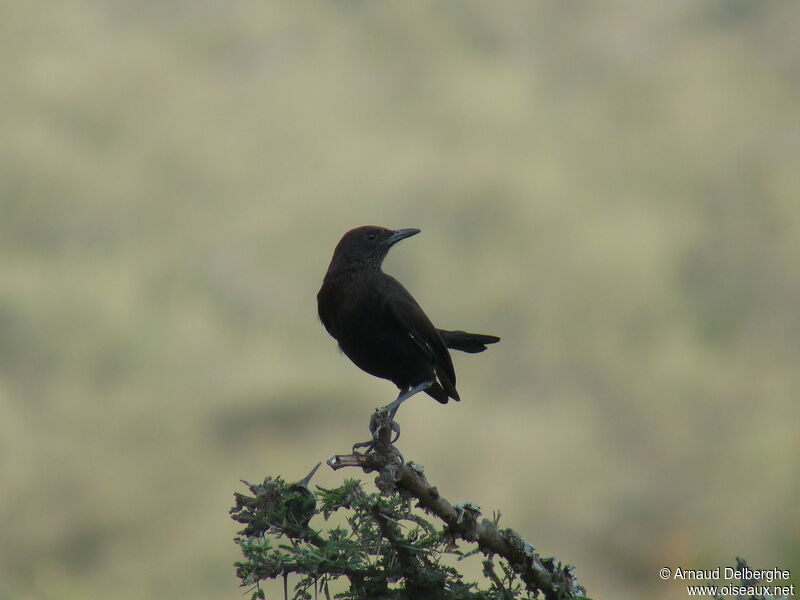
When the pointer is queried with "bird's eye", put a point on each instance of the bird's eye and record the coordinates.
(372, 236)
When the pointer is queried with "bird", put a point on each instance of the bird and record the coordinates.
(381, 328)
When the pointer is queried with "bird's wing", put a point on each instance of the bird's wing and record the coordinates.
(413, 320)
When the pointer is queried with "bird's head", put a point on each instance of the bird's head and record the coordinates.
(367, 246)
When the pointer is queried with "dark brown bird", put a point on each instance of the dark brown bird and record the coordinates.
(380, 326)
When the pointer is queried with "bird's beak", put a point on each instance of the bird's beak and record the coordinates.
(400, 234)
(304, 481)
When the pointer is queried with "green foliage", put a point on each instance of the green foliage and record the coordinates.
(386, 550)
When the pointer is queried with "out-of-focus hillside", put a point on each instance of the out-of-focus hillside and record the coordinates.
(611, 187)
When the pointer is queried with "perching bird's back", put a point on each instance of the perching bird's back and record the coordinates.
(379, 325)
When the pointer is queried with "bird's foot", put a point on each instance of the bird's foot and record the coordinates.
(382, 420)
(381, 425)
(369, 445)
(372, 446)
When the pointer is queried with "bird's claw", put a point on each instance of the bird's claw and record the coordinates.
(381, 418)
(378, 422)
(375, 422)
(369, 445)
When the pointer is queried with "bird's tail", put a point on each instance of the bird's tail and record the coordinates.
(467, 342)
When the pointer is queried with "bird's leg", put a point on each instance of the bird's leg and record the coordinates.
(375, 425)
(392, 408)
(403, 396)
(380, 414)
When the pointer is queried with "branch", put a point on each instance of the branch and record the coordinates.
(462, 520)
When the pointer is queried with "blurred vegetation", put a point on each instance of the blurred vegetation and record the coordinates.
(611, 187)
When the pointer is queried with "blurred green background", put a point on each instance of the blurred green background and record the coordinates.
(612, 187)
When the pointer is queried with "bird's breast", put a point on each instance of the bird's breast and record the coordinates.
(359, 318)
